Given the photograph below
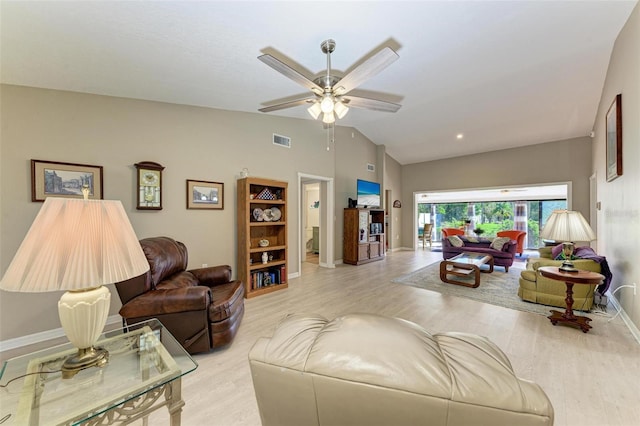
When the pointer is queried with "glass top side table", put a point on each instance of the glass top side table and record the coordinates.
(145, 363)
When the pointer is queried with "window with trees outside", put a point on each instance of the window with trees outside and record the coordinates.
(487, 218)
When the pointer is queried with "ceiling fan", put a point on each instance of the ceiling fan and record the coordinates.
(330, 95)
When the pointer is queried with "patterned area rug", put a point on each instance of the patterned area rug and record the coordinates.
(497, 288)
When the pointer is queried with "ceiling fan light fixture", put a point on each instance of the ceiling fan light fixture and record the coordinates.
(314, 110)
(340, 109)
(327, 104)
(328, 118)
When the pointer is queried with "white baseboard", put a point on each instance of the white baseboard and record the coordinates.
(630, 325)
(18, 342)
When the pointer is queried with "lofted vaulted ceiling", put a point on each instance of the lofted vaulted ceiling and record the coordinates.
(502, 73)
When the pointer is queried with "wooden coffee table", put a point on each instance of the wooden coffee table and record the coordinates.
(570, 278)
(463, 265)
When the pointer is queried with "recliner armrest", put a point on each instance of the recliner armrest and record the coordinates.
(213, 275)
(168, 301)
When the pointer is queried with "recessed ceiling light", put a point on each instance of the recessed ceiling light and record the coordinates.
(459, 136)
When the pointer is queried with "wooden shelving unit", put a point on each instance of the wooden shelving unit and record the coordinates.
(256, 195)
(363, 236)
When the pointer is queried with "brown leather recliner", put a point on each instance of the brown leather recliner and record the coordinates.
(201, 308)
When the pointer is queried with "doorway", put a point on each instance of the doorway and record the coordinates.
(315, 220)
(311, 222)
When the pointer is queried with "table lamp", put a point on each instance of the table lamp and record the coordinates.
(567, 226)
(78, 245)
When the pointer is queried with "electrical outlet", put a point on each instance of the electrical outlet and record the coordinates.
(205, 265)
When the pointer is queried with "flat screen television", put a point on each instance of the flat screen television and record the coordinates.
(368, 194)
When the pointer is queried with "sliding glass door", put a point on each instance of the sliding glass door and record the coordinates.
(488, 217)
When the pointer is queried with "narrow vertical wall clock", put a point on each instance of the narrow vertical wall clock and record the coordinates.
(149, 185)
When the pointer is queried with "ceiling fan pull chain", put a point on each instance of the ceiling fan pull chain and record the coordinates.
(328, 137)
(331, 136)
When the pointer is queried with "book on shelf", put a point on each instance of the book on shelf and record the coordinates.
(283, 274)
(268, 277)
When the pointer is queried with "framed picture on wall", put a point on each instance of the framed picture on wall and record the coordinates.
(614, 139)
(205, 195)
(149, 185)
(56, 179)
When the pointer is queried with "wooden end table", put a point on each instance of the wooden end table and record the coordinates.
(463, 265)
(570, 278)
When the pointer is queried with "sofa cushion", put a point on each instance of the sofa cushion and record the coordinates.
(165, 256)
(545, 252)
(492, 252)
(178, 280)
(455, 241)
(499, 242)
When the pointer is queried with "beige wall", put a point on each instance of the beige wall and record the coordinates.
(392, 180)
(560, 161)
(619, 218)
(352, 157)
(191, 142)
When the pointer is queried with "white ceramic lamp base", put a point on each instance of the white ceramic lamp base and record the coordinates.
(83, 315)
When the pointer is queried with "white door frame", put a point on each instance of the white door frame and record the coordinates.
(327, 219)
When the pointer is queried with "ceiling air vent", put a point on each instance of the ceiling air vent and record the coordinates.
(282, 140)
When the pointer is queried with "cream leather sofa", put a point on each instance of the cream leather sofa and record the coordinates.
(365, 369)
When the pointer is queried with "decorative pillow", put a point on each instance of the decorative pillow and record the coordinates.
(455, 241)
(499, 242)
(556, 250)
(472, 239)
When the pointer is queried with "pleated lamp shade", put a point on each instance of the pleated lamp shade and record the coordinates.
(75, 244)
(566, 225)
(78, 245)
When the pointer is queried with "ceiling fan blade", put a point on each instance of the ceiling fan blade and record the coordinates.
(366, 70)
(374, 104)
(288, 104)
(287, 71)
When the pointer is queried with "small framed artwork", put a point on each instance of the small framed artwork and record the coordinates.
(205, 195)
(65, 180)
(149, 185)
(614, 139)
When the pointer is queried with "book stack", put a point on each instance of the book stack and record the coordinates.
(272, 276)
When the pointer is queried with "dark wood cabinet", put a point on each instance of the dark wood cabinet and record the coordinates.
(363, 236)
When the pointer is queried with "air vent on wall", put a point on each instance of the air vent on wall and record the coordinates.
(282, 140)
(371, 167)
